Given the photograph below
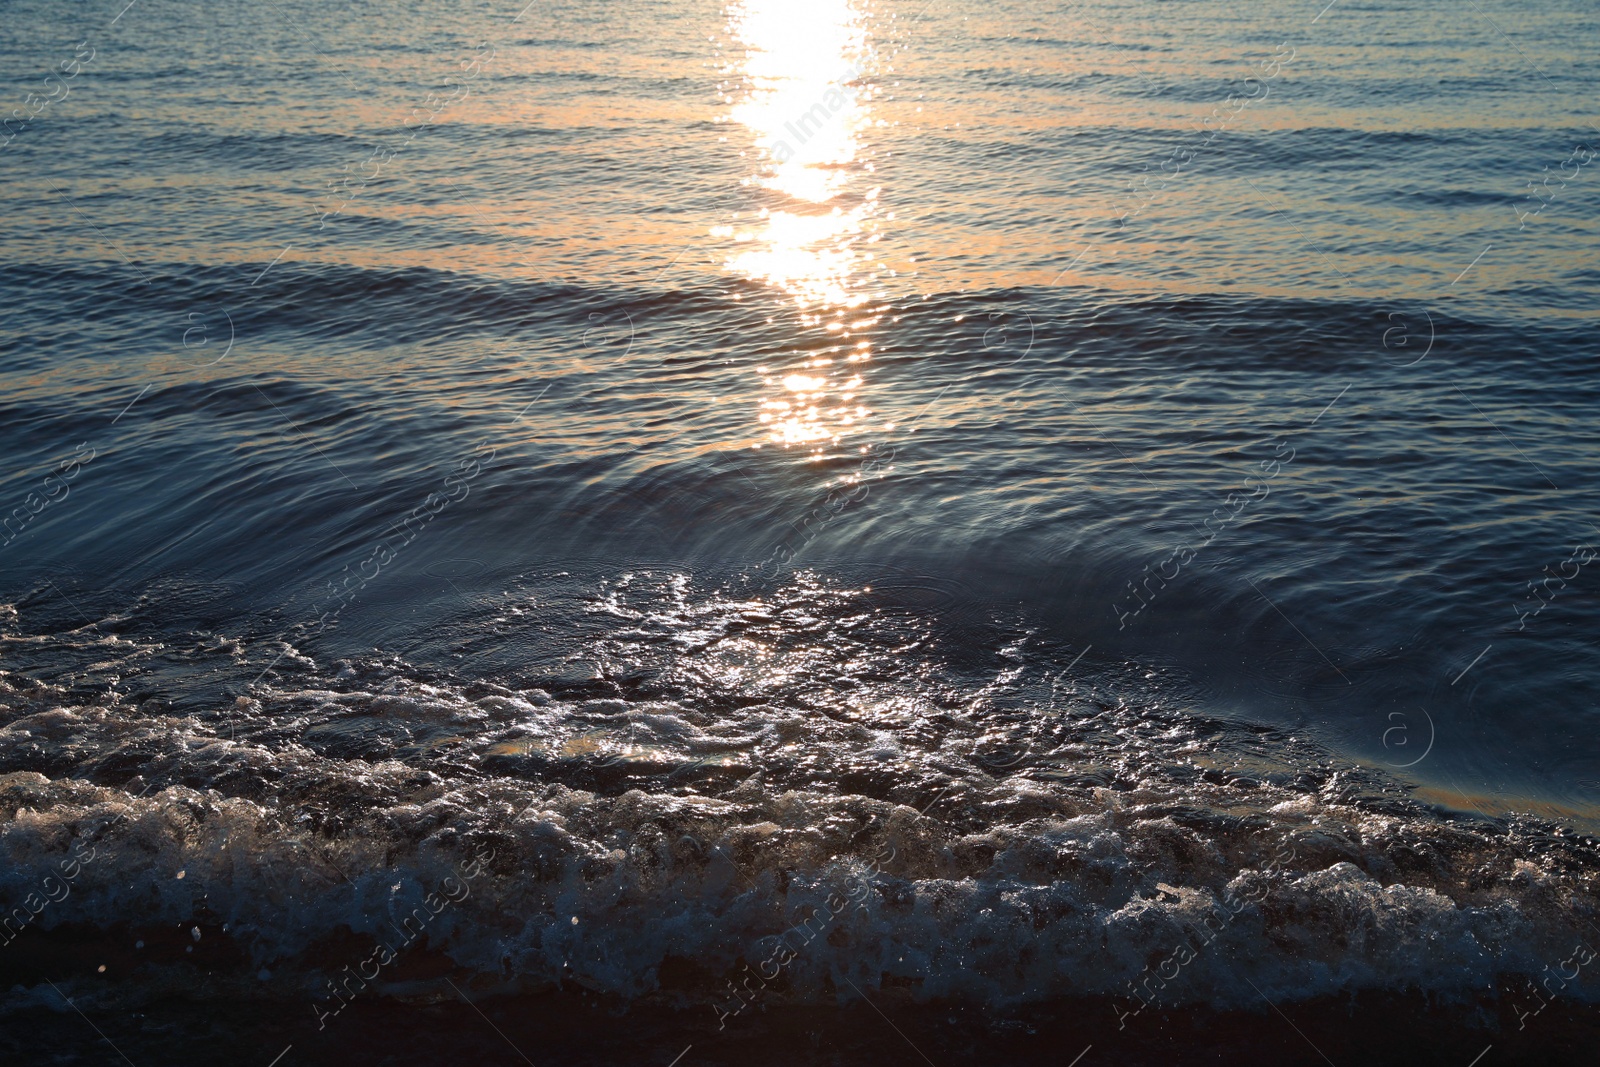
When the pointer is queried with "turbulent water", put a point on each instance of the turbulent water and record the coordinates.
(776, 506)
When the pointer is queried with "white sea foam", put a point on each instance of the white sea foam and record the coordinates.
(1127, 851)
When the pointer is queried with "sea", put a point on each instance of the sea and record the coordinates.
(835, 532)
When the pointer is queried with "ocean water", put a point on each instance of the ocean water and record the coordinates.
(1042, 525)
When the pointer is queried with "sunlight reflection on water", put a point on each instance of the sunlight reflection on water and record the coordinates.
(807, 107)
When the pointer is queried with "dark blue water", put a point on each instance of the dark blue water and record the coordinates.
(1143, 439)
